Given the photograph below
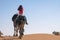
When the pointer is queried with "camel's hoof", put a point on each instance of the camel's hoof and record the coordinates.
(20, 37)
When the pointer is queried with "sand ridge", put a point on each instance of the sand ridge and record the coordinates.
(33, 37)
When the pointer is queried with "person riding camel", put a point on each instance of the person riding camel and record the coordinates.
(16, 19)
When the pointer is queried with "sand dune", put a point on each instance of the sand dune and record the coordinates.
(33, 37)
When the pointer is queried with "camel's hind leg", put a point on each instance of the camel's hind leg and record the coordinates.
(15, 29)
(21, 31)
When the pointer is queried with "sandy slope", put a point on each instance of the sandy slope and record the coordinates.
(34, 37)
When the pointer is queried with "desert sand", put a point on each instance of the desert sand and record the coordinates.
(33, 37)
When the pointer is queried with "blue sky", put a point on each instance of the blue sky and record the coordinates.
(43, 15)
